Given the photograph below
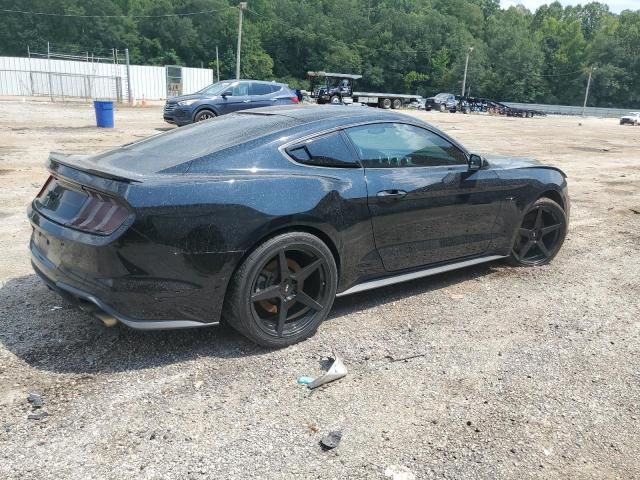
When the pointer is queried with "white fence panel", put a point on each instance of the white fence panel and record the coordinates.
(68, 78)
(194, 79)
(147, 82)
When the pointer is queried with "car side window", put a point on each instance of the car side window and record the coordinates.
(326, 151)
(275, 88)
(398, 145)
(259, 89)
(241, 89)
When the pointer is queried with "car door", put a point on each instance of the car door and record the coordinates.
(426, 205)
(260, 94)
(238, 100)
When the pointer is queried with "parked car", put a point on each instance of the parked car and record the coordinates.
(416, 105)
(226, 97)
(262, 217)
(631, 118)
(441, 102)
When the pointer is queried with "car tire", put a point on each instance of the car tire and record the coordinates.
(396, 104)
(442, 107)
(276, 309)
(335, 99)
(540, 234)
(204, 114)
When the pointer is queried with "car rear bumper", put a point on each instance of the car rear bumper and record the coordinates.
(141, 284)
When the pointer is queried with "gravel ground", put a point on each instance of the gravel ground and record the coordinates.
(523, 373)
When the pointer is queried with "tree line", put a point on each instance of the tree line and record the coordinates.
(412, 46)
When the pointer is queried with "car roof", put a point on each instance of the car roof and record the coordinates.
(339, 113)
(268, 82)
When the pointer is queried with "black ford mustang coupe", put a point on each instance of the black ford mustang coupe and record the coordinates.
(260, 218)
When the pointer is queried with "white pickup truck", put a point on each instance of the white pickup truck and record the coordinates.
(632, 118)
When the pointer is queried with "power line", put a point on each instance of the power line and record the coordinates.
(73, 15)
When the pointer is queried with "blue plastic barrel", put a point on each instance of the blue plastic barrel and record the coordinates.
(104, 113)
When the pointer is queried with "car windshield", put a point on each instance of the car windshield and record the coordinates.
(216, 88)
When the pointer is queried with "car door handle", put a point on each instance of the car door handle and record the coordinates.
(246, 101)
(392, 194)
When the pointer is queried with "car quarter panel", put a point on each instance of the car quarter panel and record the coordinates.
(210, 215)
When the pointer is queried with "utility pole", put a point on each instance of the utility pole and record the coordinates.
(466, 66)
(217, 64)
(129, 96)
(586, 95)
(243, 6)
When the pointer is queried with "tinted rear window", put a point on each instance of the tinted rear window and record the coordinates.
(260, 89)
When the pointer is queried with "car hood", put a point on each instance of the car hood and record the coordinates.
(497, 162)
(193, 96)
(629, 117)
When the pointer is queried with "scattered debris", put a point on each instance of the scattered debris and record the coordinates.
(331, 440)
(394, 359)
(302, 380)
(54, 308)
(35, 399)
(336, 371)
(312, 427)
(637, 212)
(198, 384)
(399, 472)
(37, 416)
(456, 296)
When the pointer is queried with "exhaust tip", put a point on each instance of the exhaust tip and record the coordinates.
(105, 318)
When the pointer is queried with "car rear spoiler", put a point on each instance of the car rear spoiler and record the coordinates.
(75, 162)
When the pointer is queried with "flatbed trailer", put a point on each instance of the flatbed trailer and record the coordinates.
(338, 88)
(385, 100)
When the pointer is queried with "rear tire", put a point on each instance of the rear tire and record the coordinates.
(283, 290)
(397, 103)
(540, 235)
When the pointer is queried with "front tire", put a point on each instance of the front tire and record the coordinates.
(336, 99)
(203, 115)
(283, 290)
(397, 103)
(540, 235)
(385, 103)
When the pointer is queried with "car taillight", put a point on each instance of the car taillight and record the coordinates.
(295, 99)
(100, 214)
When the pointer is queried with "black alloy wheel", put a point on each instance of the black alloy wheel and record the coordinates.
(283, 290)
(204, 115)
(540, 235)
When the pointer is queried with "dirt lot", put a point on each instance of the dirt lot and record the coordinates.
(526, 373)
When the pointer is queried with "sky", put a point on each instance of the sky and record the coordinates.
(616, 6)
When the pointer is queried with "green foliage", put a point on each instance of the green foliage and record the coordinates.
(397, 45)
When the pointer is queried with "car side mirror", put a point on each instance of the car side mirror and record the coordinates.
(475, 162)
(228, 93)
